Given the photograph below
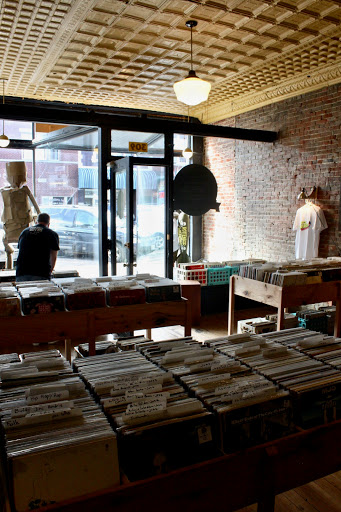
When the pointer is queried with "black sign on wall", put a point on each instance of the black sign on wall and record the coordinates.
(195, 190)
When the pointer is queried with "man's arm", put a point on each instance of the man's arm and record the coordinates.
(53, 258)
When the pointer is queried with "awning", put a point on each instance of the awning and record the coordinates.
(88, 177)
(145, 179)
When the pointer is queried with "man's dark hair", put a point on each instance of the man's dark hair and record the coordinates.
(44, 218)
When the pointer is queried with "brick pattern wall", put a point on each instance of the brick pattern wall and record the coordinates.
(258, 183)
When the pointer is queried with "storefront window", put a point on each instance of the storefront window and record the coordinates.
(67, 189)
(64, 181)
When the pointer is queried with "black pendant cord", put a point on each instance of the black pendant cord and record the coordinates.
(191, 24)
(3, 102)
(191, 47)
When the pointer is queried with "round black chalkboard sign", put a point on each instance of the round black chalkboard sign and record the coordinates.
(195, 190)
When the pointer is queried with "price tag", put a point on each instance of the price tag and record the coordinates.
(138, 147)
(204, 434)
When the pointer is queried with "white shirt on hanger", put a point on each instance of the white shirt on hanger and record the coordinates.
(309, 222)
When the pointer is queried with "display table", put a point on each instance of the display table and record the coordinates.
(85, 325)
(284, 297)
(230, 482)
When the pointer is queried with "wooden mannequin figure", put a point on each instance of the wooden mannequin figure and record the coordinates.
(17, 213)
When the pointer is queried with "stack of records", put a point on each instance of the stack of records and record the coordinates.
(122, 291)
(177, 355)
(82, 293)
(331, 313)
(159, 427)
(101, 347)
(286, 278)
(32, 367)
(7, 276)
(315, 387)
(256, 325)
(130, 342)
(293, 337)
(59, 274)
(40, 297)
(319, 346)
(160, 289)
(249, 408)
(9, 300)
(290, 320)
(58, 443)
(238, 345)
(9, 358)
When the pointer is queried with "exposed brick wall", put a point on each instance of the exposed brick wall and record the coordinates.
(258, 183)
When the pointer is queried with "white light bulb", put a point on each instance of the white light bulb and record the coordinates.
(187, 153)
(4, 141)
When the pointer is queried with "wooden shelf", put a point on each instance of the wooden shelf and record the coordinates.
(84, 325)
(283, 297)
(254, 475)
(230, 482)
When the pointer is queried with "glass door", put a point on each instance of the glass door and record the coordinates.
(149, 218)
(137, 217)
(121, 260)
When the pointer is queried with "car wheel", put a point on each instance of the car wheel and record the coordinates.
(75, 250)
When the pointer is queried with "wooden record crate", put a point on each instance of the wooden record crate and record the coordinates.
(257, 423)
(153, 449)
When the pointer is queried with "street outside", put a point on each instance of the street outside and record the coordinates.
(152, 263)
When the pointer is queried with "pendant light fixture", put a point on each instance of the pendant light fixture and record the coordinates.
(4, 140)
(187, 152)
(192, 90)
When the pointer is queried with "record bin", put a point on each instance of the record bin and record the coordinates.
(152, 449)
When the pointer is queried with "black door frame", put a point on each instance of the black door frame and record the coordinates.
(127, 164)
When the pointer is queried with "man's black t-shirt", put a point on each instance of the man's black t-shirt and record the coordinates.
(35, 244)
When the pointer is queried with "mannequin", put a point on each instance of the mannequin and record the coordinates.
(17, 213)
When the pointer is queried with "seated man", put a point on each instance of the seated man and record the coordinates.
(38, 247)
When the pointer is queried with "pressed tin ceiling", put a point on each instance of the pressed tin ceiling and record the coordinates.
(128, 53)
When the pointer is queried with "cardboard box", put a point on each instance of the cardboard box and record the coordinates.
(63, 473)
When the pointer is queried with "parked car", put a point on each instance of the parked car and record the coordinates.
(77, 227)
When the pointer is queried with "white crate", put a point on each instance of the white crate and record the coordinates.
(193, 275)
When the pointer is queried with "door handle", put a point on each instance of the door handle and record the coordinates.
(127, 244)
(126, 264)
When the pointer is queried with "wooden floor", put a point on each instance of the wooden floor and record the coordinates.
(322, 495)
